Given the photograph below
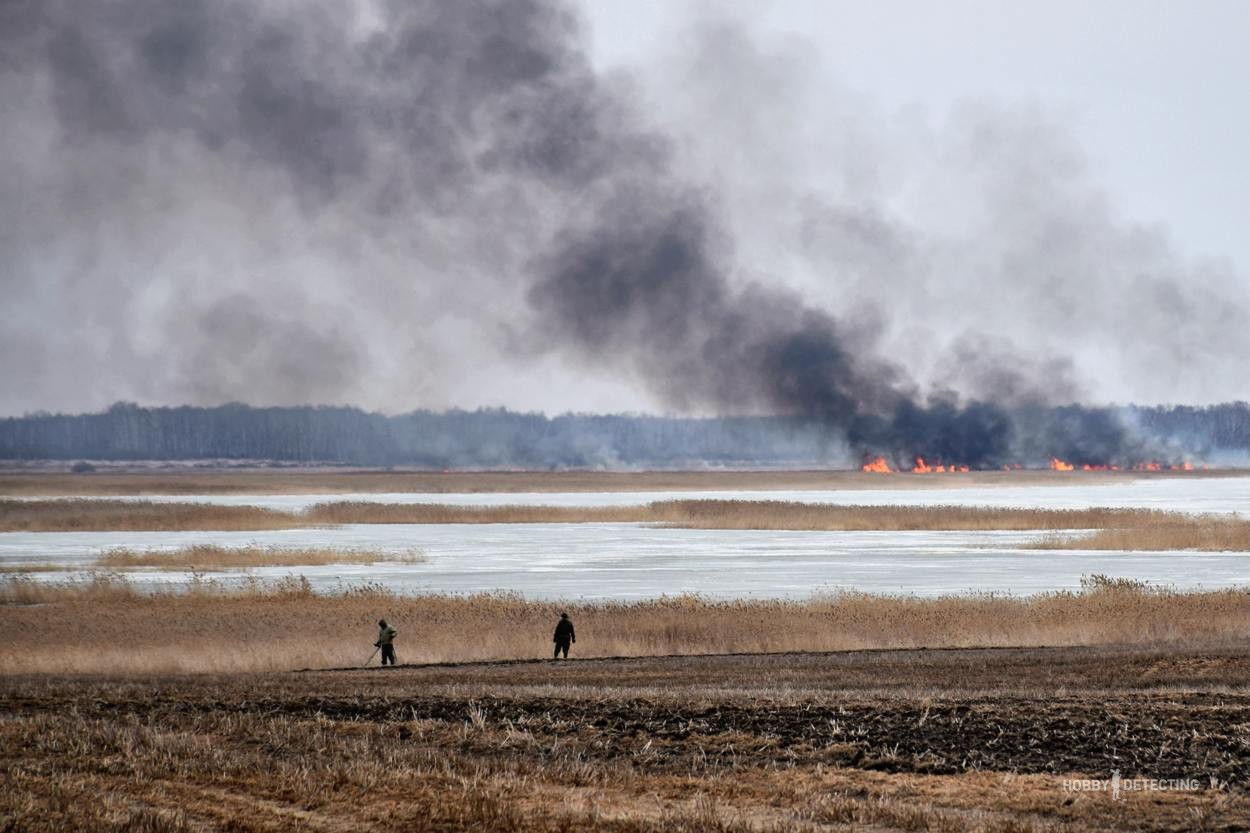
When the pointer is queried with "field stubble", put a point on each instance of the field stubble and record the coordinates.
(956, 741)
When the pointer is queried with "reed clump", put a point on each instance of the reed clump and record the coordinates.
(1101, 528)
(136, 516)
(1164, 532)
(363, 512)
(211, 627)
(208, 557)
(1127, 529)
(740, 514)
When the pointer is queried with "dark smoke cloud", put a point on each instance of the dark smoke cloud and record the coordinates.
(641, 283)
(985, 225)
(373, 201)
(392, 162)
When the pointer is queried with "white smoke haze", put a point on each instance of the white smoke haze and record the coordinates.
(402, 205)
(977, 240)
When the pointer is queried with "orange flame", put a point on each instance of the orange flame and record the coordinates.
(922, 467)
(1058, 465)
(1156, 466)
(877, 465)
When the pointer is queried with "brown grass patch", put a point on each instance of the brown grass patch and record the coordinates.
(136, 516)
(112, 627)
(208, 557)
(1135, 529)
(1128, 529)
(361, 512)
(1164, 532)
(734, 514)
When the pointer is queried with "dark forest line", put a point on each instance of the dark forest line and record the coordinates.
(499, 437)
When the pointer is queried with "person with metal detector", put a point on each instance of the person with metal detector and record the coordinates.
(564, 636)
(386, 642)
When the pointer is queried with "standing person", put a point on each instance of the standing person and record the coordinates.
(386, 641)
(564, 636)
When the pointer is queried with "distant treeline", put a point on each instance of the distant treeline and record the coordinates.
(501, 438)
(446, 439)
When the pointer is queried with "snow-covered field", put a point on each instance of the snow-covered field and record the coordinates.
(632, 561)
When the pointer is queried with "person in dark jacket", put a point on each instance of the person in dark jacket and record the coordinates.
(386, 641)
(564, 636)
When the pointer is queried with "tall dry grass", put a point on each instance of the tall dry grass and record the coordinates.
(136, 516)
(739, 514)
(208, 557)
(1138, 529)
(1211, 534)
(361, 512)
(106, 626)
(1128, 529)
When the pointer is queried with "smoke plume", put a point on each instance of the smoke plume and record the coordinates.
(406, 204)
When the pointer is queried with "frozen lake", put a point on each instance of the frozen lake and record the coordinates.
(1196, 494)
(635, 561)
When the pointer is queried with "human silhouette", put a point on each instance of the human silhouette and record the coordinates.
(564, 636)
(386, 641)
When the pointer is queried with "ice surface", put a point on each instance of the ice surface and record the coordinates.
(634, 561)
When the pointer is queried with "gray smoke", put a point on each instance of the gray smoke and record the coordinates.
(362, 182)
(980, 233)
(402, 204)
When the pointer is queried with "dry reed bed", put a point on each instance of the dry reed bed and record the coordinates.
(1206, 534)
(726, 514)
(136, 516)
(106, 626)
(338, 481)
(208, 557)
(1127, 529)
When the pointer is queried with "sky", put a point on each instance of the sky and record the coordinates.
(1156, 92)
(680, 207)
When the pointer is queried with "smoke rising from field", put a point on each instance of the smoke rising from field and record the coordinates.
(411, 204)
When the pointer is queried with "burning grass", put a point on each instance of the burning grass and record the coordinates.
(207, 557)
(212, 627)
